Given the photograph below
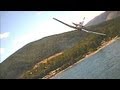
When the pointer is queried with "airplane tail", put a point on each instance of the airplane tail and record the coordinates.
(83, 21)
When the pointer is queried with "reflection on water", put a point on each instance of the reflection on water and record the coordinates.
(103, 65)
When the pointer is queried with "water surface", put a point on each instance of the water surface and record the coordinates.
(103, 65)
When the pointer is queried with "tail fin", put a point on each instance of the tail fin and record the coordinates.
(83, 21)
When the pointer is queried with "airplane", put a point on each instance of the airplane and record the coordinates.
(79, 27)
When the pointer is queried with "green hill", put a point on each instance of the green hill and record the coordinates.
(74, 45)
(34, 52)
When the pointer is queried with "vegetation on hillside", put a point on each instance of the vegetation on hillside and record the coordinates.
(71, 55)
(34, 52)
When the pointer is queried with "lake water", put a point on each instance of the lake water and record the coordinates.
(103, 65)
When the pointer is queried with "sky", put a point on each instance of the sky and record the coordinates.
(18, 28)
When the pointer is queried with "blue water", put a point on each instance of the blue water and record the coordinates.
(103, 65)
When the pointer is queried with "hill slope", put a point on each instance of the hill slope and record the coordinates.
(34, 52)
(103, 17)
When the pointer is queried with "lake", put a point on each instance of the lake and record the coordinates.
(103, 65)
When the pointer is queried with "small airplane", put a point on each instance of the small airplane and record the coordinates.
(79, 27)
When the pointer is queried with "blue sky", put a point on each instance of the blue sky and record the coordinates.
(17, 28)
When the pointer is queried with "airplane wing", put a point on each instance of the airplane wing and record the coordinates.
(65, 23)
(84, 29)
(75, 24)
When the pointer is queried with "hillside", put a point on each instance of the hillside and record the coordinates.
(35, 52)
(103, 17)
(74, 44)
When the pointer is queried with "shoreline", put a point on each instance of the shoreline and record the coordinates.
(105, 44)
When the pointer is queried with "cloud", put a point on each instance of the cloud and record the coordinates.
(4, 35)
(2, 50)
